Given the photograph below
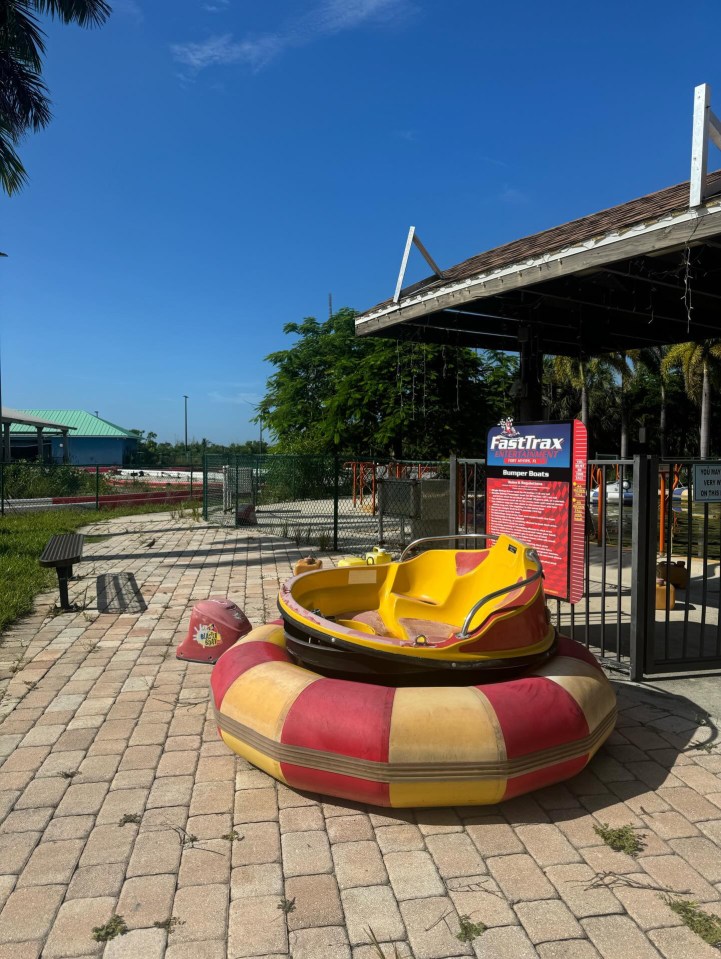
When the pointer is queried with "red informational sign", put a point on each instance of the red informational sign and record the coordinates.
(536, 492)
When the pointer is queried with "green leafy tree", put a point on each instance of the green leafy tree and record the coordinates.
(700, 364)
(24, 102)
(334, 390)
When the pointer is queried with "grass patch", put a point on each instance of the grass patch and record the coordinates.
(130, 818)
(621, 839)
(705, 925)
(170, 925)
(115, 926)
(23, 537)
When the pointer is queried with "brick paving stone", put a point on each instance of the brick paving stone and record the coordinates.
(27, 820)
(328, 942)
(207, 861)
(87, 798)
(148, 734)
(577, 888)
(505, 942)
(49, 735)
(520, 878)
(317, 902)
(432, 821)
(7, 801)
(203, 910)
(605, 859)
(52, 863)
(645, 906)
(141, 757)
(210, 798)
(97, 769)
(122, 802)
(675, 874)
(702, 780)
(256, 928)
(145, 900)
(216, 768)
(372, 907)
(254, 805)
(133, 779)
(403, 838)
(358, 864)
(72, 931)
(15, 850)
(304, 818)
(547, 920)
(29, 913)
(523, 809)
(619, 935)
(703, 853)
(379, 817)
(89, 881)
(483, 901)
(7, 884)
(256, 779)
(58, 763)
(22, 950)
(68, 827)
(492, 836)
(145, 943)
(170, 791)
(16, 781)
(286, 796)
(28, 758)
(413, 875)
(214, 826)
(262, 879)
(570, 949)
(432, 926)
(196, 950)
(260, 844)
(681, 943)
(547, 844)
(349, 828)
(305, 853)
(179, 763)
(671, 825)
(455, 855)
(688, 802)
(155, 851)
(111, 843)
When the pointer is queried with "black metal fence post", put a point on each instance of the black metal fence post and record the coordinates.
(205, 487)
(452, 495)
(336, 497)
(2, 486)
(643, 565)
(97, 487)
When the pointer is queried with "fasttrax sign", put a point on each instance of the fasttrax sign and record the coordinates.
(536, 492)
(707, 482)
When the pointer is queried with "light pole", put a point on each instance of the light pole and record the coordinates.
(186, 427)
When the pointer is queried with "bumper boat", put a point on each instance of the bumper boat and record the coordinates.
(480, 612)
(410, 746)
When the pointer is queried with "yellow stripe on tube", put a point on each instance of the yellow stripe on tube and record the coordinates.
(444, 725)
(260, 699)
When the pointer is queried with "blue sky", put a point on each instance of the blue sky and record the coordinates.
(216, 167)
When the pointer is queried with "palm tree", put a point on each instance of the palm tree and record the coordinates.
(652, 357)
(24, 103)
(699, 363)
(624, 363)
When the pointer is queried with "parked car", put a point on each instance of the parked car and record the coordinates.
(614, 492)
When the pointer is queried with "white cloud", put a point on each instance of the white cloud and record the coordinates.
(327, 18)
(512, 196)
(216, 6)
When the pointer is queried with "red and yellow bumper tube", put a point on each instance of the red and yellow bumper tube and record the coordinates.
(413, 746)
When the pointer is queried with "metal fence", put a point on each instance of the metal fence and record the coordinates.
(33, 487)
(328, 502)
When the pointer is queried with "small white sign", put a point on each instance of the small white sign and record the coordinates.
(707, 482)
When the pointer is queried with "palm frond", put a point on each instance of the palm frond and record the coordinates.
(21, 36)
(12, 173)
(24, 101)
(86, 13)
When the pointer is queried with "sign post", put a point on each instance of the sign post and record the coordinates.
(536, 492)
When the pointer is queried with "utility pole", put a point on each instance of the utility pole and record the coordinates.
(186, 427)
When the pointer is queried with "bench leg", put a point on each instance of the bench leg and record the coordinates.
(64, 573)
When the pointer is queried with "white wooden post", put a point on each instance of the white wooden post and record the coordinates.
(705, 124)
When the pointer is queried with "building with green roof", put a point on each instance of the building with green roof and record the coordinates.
(91, 440)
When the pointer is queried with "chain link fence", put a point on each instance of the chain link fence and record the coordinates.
(329, 502)
(33, 486)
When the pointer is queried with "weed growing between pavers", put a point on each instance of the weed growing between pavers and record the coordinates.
(233, 836)
(379, 949)
(115, 926)
(621, 839)
(170, 925)
(130, 817)
(469, 930)
(706, 926)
